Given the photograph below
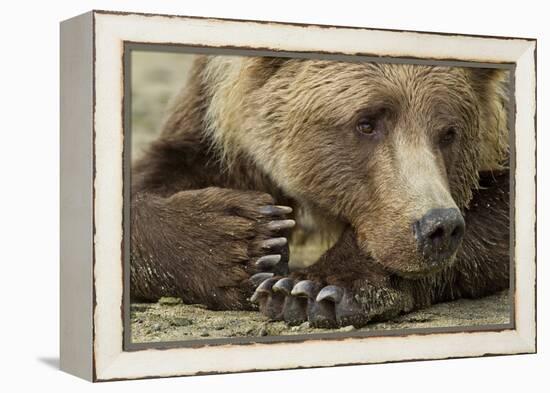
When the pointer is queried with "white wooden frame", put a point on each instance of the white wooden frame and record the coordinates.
(92, 194)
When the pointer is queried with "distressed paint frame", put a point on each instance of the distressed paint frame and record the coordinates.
(96, 352)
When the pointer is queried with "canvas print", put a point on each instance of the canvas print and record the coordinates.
(288, 196)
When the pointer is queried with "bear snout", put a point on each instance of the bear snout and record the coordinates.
(438, 234)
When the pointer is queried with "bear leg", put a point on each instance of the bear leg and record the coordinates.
(203, 245)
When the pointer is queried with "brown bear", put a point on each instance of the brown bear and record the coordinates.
(398, 171)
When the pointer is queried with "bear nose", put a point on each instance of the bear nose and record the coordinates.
(439, 233)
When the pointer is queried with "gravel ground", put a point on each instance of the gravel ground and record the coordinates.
(170, 320)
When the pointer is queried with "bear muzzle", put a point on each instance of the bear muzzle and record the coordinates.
(438, 234)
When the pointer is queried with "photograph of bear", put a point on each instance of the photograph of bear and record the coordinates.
(332, 192)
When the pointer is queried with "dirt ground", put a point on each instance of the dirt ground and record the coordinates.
(170, 320)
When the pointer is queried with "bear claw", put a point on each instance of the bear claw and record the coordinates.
(276, 260)
(280, 225)
(331, 293)
(269, 251)
(270, 300)
(263, 289)
(275, 210)
(273, 243)
(294, 302)
(258, 278)
(304, 288)
(284, 285)
(268, 261)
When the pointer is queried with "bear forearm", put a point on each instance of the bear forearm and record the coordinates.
(203, 245)
(158, 255)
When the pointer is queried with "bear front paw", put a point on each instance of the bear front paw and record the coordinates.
(326, 305)
(298, 301)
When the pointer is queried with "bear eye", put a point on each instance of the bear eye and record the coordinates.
(366, 126)
(448, 137)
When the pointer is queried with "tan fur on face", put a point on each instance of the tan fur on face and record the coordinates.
(294, 119)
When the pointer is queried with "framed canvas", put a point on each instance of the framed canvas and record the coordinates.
(246, 195)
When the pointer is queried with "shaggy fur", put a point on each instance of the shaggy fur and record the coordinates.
(251, 132)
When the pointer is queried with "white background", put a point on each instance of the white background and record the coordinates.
(29, 197)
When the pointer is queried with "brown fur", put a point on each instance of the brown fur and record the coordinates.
(254, 131)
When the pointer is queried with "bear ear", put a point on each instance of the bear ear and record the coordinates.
(483, 73)
(482, 78)
(491, 85)
(260, 69)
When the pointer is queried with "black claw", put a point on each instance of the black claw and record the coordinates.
(266, 285)
(280, 225)
(305, 288)
(258, 278)
(284, 285)
(331, 293)
(255, 297)
(274, 242)
(275, 210)
(263, 289)
(268, 261)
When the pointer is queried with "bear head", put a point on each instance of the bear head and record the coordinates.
(392, 149)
